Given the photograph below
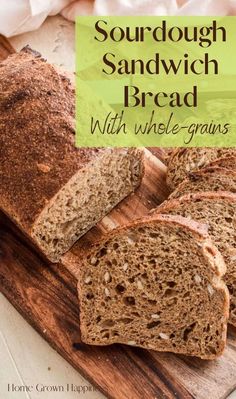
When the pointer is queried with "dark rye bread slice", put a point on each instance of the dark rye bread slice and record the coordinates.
(207, 179)
(185, 160)
(155, 283)
(51, 190)
(218, 212)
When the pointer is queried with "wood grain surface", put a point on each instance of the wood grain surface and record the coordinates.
(46, 296)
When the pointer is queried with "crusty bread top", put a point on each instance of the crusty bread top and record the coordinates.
(209, 171)
(37, 150)
(198, 229)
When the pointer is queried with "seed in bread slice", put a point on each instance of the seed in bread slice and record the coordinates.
(162, 153)
(185, 160)
(207, 179)
(218, 211)
(155, 283)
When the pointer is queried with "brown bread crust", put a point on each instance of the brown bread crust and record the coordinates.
(191, 197)
(50, 188)
(185, 160)
(207, 179)
(37, 150)
(220, 224)
(89, 272)
(228, 163)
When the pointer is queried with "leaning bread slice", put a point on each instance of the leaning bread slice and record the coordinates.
(227, 163)
(52, 190)
(218, 212)
(185, 160)
(155, 283)
(207, 179)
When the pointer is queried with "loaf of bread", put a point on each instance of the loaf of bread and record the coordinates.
(155, 283)
(51, 190)
(218, 212)
(207, 179)
(185, 160)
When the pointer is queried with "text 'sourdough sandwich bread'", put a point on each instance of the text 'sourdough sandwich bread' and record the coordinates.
(218, 212)
(185, 160)
(53, 191)
(155, 283)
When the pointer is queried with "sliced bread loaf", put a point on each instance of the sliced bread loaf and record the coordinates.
(218, 212)
(155, 283)
(53, 191)
(207, 179)
(185, 160)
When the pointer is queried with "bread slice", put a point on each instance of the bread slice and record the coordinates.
(53, 191)
(155, 283)
(218, 212)
(185, 160)
(226, 163)
(207, 179)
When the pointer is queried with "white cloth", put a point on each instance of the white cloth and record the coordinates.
(18, 16)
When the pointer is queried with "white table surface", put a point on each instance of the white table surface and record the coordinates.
(25, 358)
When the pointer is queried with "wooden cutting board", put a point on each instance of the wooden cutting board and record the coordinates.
(46, 296)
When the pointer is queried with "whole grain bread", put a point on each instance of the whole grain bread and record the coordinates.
(53, 191)
(225, 162)
(218, 212)
(155, 283)
(185, 160)
(207, 179)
